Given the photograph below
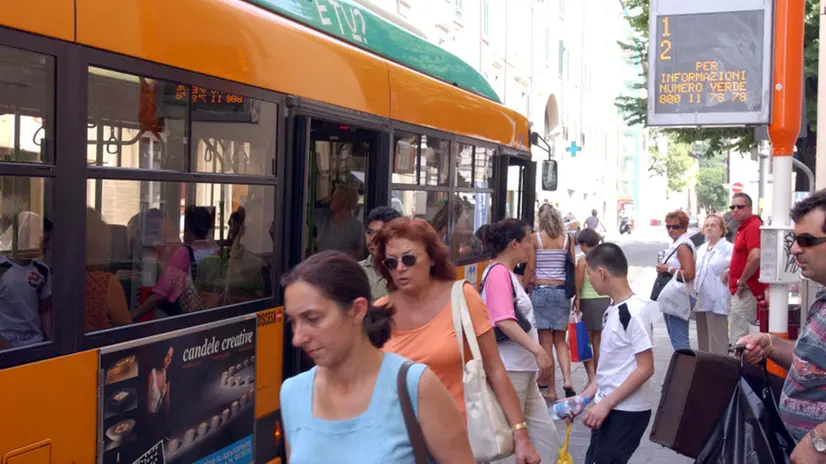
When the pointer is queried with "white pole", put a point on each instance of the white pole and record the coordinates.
(781, 207)
(820, 167)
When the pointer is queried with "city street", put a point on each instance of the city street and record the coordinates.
(641, 249)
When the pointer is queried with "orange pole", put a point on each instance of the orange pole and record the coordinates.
(787, 96)
(787, 93)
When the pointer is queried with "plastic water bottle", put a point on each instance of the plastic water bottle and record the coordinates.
(568, 407)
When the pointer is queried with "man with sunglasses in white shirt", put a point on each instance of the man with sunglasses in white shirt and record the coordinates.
(744, 272)
(803, 401)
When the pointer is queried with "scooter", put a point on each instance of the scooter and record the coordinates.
(625, 226)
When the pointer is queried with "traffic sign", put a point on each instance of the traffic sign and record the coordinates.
(710, 62)
(737, 187)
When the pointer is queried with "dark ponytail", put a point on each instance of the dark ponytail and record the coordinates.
(499, 235)
(340, 278)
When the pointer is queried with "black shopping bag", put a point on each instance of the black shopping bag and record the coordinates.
(750, 431)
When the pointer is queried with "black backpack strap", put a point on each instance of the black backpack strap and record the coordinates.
(414, 429)
(482, 286)
(193, 266)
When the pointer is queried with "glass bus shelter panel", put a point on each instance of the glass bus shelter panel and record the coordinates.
(27, 86)
(153, 251)
(25, 266)
(336, 197)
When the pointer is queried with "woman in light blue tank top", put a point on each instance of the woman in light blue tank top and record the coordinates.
(347, 408)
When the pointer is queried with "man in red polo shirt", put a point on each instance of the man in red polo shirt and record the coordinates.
(744, 271)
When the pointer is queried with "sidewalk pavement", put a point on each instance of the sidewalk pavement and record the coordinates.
(650, 453)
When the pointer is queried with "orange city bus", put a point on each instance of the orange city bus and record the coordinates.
(163, 163)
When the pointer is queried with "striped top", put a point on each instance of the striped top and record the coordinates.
(803, 401)
(550, 264)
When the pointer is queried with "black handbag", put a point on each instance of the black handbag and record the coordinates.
(570, 270)
(751, 429)
(523, 322)
(662, 279)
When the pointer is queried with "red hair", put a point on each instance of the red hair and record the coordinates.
(415, 230)
(680, 217)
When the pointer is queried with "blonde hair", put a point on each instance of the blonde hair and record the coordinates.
(720, 219)
(551, 223)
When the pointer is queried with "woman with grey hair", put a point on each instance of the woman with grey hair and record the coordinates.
(547, 266)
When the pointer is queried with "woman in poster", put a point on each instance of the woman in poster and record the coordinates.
(157, 391)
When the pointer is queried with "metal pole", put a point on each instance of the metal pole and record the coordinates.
(783, 131)
(820, 178)
(809, 174)
(763, 156)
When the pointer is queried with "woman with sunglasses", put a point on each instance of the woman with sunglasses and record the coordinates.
(679, 258)
(711, 285)
(416, 265)
(346, 409)
(524, 358)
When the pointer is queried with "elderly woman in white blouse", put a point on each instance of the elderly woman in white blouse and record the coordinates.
(713, 258)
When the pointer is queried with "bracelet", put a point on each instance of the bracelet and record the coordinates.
(519, 426)
(770, 345)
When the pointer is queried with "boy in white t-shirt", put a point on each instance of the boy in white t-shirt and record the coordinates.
(622, 390)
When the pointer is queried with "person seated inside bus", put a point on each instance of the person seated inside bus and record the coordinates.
(337, 228)
(199, 224)
(173, 293)
(25, 283)
(105, 298)
(233, 274)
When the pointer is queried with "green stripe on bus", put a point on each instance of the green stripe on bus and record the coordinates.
(362, 28)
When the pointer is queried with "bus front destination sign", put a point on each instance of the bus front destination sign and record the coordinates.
(709, 63)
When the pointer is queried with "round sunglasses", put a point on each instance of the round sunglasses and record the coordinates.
(392, 263)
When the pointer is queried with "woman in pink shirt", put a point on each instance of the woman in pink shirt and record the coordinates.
(525, 360)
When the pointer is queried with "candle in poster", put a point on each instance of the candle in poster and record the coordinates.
(188, 398)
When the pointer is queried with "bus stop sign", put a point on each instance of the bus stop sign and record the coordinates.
(710, 63)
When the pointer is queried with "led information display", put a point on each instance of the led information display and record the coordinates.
(709, 68)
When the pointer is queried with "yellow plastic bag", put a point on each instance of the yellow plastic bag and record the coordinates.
(564, 456)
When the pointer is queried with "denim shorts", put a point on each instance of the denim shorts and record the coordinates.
(551, 307)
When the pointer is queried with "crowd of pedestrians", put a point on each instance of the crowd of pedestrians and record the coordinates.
(412, 367)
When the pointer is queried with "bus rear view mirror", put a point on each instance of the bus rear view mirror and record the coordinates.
(549, 173)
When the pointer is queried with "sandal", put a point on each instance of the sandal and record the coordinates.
(546, 393)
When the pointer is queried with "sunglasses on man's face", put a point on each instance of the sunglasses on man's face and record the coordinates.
(392, 263)
(673, 227)
(808, 240)
(733, 207)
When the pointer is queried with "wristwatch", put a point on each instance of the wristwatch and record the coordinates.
(818, 443)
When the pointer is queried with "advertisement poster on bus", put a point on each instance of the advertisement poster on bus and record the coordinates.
(186, 398)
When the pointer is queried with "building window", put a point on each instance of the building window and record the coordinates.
(485, 21)
(459, 9)
(561, 58)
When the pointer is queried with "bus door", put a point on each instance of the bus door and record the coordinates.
(517, 188)
(335, 182)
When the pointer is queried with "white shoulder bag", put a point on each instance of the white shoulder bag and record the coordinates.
(488, 429)
(676, 298)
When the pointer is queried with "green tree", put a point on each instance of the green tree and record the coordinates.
(710, 190)
(719, 140)
(674, 164)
